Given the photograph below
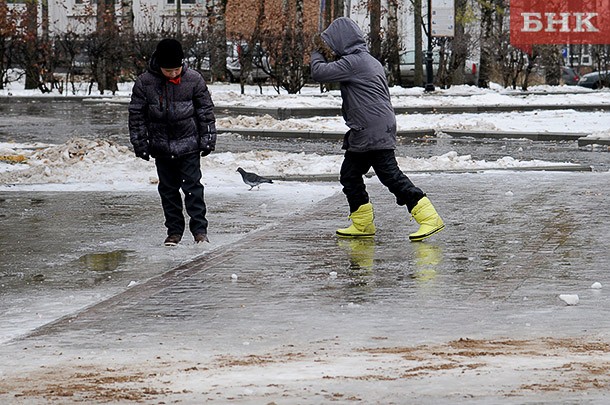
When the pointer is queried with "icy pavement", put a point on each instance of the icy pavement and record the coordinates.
(283, 312)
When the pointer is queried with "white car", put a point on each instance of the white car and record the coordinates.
(260, 62)
(407, 68)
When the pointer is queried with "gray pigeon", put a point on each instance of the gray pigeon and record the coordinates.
(252, 179)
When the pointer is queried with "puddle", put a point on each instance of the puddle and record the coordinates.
(107, 261)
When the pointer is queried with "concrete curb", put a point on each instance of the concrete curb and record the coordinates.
(309, 112)
(22, 99)
(587, 141)
(410, 134)
(335, 177)
(534, 136)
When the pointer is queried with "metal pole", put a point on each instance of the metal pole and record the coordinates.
(179, 20)
(429, 60)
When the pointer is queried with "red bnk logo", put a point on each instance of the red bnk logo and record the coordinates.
(559, 22)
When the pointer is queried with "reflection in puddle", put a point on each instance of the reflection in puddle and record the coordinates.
(427, 258)
(361, 253)
(361, 259)
(107, 261)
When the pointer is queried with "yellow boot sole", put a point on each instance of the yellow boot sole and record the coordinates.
(417, 238)
(351, 235)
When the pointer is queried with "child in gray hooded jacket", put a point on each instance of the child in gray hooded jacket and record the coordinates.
(341, 55)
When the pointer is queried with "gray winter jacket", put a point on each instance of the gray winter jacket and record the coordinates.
(367, 109)
(171, 120)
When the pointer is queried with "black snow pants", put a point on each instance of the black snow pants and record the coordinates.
(182, 173)
(357, 164)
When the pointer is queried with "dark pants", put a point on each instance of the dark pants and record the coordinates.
(182, 173)
(357, 164)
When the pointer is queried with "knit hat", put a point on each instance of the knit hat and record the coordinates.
(169, 53)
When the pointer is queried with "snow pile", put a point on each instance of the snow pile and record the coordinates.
(454, 161)
(562, 121)
(268, 122)
(273, 163)
(104, 165)
(603, 134)
(78, 161)
(223, 95)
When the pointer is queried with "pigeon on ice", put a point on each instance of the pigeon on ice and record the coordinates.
(252, 179)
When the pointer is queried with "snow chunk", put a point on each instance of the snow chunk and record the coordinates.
(569, 299)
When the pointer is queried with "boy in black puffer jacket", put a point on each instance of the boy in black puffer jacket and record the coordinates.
(171, 119)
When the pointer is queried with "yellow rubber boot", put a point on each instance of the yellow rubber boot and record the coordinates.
(428, 219)
(362, 223)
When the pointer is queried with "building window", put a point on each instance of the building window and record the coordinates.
(90, 1)
(186, 2)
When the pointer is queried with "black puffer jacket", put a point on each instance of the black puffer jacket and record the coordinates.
(168, 119)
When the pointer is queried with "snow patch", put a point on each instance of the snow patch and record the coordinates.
(82, 164)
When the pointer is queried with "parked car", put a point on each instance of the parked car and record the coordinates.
(260, 62)
(595, 80)
(407, 68)
(198, 58)
(569, 76)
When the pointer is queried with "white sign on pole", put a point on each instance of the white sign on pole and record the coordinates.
(443, 18)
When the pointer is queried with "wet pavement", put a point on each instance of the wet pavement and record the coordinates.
(283, 312)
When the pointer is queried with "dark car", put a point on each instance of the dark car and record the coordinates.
(569, 76)
(595, 80)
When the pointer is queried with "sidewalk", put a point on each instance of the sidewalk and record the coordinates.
(289, 314)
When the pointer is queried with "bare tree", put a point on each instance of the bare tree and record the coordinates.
(531, 57)
(127, 29)
(29, 45)
(217, 35)
(289, 73)
(333, 9)
(8, 33)
(552, 60)
(459, 45)
(487, 42)
(250, 53)
(338, 8)
(375, 28)
(392, 43)
(106, 56)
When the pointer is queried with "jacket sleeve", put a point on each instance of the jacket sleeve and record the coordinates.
(204, 109)
(138, 132)
(327, 72)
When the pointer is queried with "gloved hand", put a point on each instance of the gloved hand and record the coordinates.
(321, 46)
(208, 140)
(143, 155)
